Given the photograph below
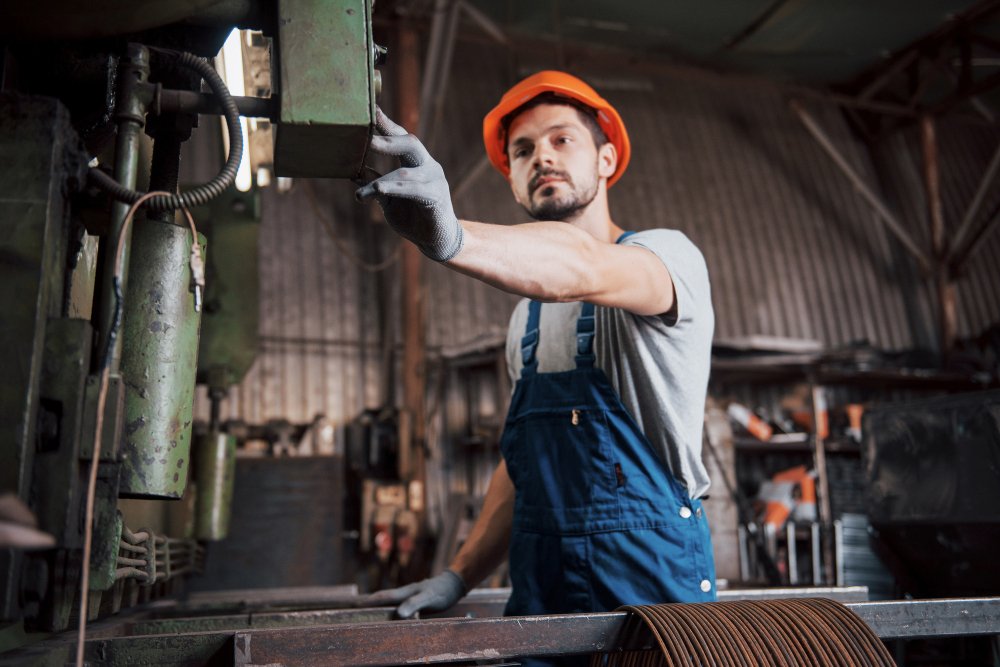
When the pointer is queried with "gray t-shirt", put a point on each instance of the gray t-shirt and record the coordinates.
(658, 364)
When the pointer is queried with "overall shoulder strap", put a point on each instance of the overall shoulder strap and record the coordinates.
(529, 343)
(585, 328)
(585, 336)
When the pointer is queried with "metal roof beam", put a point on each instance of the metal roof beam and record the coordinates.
(880, 208)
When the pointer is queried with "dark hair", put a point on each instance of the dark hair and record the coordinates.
(588, 116)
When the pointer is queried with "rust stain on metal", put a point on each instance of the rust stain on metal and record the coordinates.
(450, 657)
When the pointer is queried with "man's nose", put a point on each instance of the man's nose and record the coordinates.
(543, 156)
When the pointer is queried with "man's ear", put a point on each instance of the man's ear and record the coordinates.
(607, 160)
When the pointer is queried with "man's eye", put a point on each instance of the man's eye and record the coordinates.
(520, 152)
(564, 139)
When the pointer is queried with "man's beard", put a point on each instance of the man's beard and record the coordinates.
(565, 207)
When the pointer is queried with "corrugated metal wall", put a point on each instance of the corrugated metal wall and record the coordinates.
(318, 321)
(793, 251)
(321, 333)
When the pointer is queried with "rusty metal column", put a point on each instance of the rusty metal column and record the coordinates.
(948, 323)
(412, 426)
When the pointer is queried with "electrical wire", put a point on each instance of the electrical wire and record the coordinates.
(102, 395)
(202, 194)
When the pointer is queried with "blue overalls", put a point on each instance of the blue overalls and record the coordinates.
(599, 520)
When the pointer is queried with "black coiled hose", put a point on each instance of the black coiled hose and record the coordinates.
(203, 193)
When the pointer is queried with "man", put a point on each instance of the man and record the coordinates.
(596, 496)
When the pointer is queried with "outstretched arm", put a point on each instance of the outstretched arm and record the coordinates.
(554, 261)
(548, 261)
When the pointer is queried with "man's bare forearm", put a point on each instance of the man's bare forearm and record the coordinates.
(487, 544)
(549, 261)
(555, 261)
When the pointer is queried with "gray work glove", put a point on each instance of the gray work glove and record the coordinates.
(434, 594)
(415, 198)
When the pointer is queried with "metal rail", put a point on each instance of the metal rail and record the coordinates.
(291, 607)
(444, 641)
(364, 637)
(479, 601)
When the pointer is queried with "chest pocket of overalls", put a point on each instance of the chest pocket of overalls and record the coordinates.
(561, 460)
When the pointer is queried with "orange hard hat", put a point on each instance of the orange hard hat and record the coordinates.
(563, 85)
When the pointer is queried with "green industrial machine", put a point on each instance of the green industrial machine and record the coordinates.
(97, 339)
(325, 46)
(160, 351)
(228, 347)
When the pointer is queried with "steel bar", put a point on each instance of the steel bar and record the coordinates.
(985, 84)
(432, 64)
(876, 106)
(332, 597)
(873, 200)
(755, 25)
(793, 556)
(337, 601)
(953, 617)
(851, 102)
(455, 640)
(977, 103)
(487, 24)
(838, 548)
(470, 176)
(246, 621)
(901, 64)
(978, 239)
(972, 212)
(435, 111)
(205, 648)
(187, 101)
(434, 641)
(446, 640)
(814, 553)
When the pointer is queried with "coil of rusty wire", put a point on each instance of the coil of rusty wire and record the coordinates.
(746, 633)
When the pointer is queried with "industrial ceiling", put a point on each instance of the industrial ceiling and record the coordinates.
(805, 41)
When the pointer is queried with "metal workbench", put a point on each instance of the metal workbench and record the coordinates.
(286, 627)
